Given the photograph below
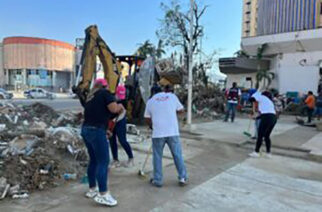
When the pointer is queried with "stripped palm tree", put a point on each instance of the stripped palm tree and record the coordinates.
(262, 74)
(265, 76)
(159, 51)
(145, 49)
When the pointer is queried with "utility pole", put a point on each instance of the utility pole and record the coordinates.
(189, 114)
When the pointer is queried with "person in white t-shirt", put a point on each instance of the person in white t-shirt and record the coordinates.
(267, 121)
(161, 115)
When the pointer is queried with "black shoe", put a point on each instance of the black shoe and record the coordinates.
(152, 182)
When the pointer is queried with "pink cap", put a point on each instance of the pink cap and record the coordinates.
(101, 81)
(121, 92)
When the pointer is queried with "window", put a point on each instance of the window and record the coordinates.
(248, 6)
(320, 8)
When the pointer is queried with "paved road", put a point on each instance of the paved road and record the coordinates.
(57, 104)
(221, 177)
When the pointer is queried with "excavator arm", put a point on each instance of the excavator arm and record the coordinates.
(95, 46)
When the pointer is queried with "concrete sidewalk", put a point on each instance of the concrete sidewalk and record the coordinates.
(257, 185)
(315, 146)
(233, 132)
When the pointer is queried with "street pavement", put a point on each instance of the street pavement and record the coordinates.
(221, 176)
(57, 104)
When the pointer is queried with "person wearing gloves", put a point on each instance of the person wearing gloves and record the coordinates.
(268, 120)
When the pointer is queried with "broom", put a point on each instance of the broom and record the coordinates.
(247, 133)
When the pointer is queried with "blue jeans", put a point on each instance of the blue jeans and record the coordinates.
(318, 111)
(231, 107)
(175, 148)
(120, 132)
(98, 151)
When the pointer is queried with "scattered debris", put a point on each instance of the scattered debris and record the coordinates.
(132, 129)
(134, 138)
(4, 187)
(2, 127)
(34, 156)
(68, 176)
(133, 134)
(208, 103)
(293, 109)
(22, 195)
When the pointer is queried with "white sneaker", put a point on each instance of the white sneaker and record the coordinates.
(183, 182)
(129, 163)
(91, 193)
(254, 155)
(268, 155)
(105, 199)
(115, 164)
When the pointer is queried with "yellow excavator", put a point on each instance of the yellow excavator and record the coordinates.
(94, 46)
(138, 83)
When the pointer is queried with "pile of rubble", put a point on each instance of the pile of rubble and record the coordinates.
(208, 102)
(39, 149)
(293, 109)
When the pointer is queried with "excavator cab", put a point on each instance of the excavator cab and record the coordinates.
(137, 73)
(129, 75)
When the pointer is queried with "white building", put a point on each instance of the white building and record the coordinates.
(295, 58)
(290, 35)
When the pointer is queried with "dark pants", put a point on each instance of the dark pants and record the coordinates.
(98, 151)
(120, 133)
(309, 113)
(266, 126)
(231, 108)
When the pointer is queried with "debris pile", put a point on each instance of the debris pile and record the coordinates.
(208, 102)
(293, 109)
(38, 149)
(133, 134)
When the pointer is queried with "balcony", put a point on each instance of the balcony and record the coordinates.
(308, 40)
(241, 65)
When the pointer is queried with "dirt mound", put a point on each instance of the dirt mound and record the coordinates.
(38, 146)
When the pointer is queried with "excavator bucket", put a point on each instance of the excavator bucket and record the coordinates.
(95, 46)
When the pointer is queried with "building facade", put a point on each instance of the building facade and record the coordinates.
(279, 16)
(249, 25)
(37, 62)
(265, 17)
(2, 77)
(288, 34)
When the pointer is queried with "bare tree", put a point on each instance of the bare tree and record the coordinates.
(200, 70)
(175, 28)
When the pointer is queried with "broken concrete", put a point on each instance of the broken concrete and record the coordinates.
(33, 156)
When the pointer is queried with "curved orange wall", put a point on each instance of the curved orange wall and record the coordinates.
(37, 53)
